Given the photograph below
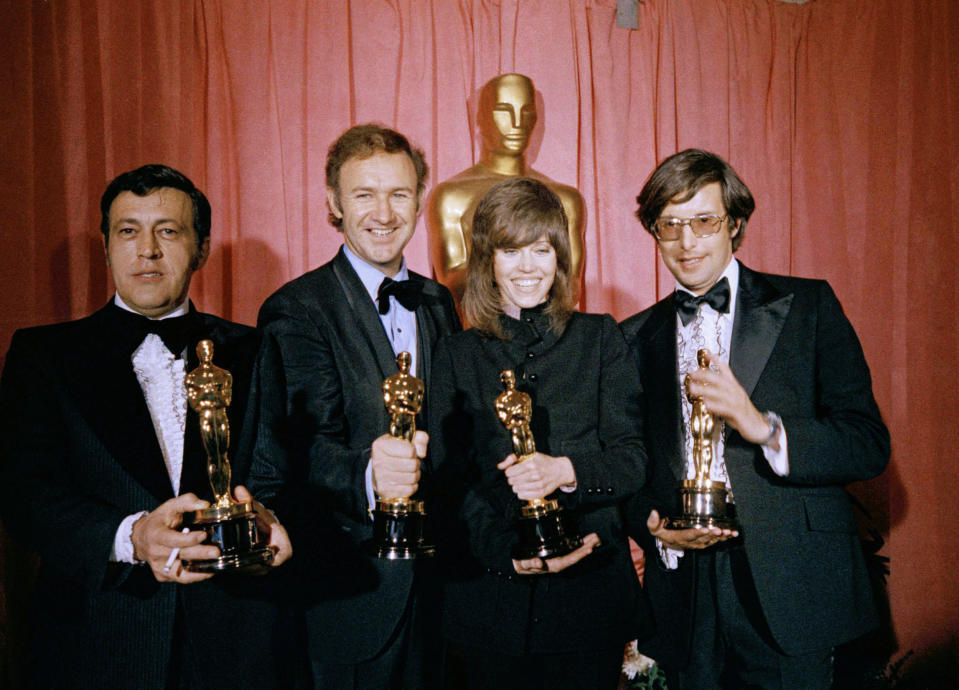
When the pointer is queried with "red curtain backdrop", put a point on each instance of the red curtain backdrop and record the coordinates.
(841, 116)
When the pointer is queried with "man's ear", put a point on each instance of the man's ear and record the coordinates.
(203, 253)
(734, 230)
(332, 198)
(419, 202)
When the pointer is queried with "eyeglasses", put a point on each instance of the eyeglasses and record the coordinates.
(671, 229)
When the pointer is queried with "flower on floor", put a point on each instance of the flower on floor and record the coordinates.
(642, 673)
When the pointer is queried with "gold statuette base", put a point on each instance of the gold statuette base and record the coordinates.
(220, 513)
(252, 563)
(704, 505)
(545, 531)
(398, 530)
(538, 508)
(243, 549)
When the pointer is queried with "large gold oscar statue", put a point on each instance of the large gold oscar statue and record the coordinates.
(507, 116)
(209, 390)
(545, 530)
(703, 499)
(229, 524)
(398, 522)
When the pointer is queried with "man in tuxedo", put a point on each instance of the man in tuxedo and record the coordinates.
(762, 604)
(101, 458)
(323, 453)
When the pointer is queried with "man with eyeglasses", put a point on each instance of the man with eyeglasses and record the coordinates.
(763, 605)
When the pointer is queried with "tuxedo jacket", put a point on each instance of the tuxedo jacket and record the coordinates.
(320, 372)
(79, 454)
(795, 353)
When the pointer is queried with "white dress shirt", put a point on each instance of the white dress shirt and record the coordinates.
(160, 375)
(399, 324)
(713, 331)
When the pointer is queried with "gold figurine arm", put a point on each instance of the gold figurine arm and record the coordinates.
(575, 209)
(448, 206)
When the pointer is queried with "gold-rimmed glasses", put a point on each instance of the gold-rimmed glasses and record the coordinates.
(703, 226)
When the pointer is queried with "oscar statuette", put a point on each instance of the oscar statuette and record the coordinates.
(543, 527)
(398, 522)
(229, 524)
(703, 500)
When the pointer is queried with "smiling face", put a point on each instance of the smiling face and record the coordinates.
(152, 249)
(524, 275)
(378, 205)
(698, 262)
(510, 105)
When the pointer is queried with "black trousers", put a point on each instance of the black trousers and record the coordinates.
(413, 659)
(488, 670)
(732, 646)
(184, 671)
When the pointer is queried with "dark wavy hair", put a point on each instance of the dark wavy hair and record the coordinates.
(514, 213)
(677, 180)
(362, 141)
(146, 180)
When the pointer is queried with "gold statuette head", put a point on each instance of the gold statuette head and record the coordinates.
(403, 398)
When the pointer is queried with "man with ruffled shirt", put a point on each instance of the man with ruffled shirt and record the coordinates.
(765, 603)
(101, 458)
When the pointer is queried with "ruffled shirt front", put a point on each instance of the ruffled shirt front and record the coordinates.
(161, 378)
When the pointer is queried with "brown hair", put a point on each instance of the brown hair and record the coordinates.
(363, 141)
(514, 213)
(677, 180)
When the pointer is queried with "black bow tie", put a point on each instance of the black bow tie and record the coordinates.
(177, 332)
(409, 293)
(687, 305)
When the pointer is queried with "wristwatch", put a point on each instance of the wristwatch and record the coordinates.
(775, 425)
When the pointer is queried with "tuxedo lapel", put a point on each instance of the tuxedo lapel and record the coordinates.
(106, 391)
(365, 314)
(761, 311)
(661, 386)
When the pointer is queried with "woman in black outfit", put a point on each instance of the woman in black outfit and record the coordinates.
(535, 623)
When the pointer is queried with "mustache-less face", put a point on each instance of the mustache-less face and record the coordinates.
(152, 250)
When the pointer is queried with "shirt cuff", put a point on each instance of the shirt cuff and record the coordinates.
(122, 551)
(778, 459)
(670, 557)
(370, 494)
